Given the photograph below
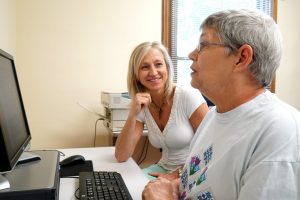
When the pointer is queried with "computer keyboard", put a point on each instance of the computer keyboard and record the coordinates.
(102, 185)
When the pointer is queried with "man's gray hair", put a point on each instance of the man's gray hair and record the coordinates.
(238, 27)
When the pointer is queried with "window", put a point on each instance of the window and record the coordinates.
(181, 22)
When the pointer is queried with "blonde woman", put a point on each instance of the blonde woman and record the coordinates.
(172, 113)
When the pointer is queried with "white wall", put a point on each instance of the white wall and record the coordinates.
(71, 50)
(8, 26)
(288, 74)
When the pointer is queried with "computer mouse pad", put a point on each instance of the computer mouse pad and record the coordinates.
(73, 170)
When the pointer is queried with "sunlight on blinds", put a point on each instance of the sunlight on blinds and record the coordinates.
(186, 19)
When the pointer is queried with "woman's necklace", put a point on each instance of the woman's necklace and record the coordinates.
(157, 107)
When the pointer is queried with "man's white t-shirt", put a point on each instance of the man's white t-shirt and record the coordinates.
(251, 152)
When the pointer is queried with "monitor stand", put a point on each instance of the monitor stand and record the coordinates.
(28, 157)
(4, 184)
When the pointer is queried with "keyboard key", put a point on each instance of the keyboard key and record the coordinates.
(102, 185)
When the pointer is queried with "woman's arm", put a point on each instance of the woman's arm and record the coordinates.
(132, 130)
(198, 115)
(128, 138)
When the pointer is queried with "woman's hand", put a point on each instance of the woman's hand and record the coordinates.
(139, 101)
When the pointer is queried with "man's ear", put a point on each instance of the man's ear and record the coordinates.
(244, 56)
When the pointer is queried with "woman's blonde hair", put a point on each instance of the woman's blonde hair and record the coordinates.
(133, 83)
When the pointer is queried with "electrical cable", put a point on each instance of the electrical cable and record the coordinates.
(102, 117)
(138, 160)
(95, 135)
(75, 194)
(146, 152)
(146, 145)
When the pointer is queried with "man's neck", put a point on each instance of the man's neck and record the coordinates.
(236, 98)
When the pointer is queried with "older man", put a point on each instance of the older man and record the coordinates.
(248, 145)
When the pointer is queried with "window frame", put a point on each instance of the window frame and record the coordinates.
(167, 35)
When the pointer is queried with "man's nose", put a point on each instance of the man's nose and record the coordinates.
(193, 55)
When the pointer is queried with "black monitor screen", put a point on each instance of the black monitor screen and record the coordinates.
(14, 131)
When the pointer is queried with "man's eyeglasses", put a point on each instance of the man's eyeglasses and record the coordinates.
(204, 44)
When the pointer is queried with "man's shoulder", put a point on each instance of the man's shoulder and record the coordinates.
(281, 108)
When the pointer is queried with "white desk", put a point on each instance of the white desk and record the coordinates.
(104, 160)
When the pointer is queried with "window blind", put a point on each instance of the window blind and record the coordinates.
(186, 17)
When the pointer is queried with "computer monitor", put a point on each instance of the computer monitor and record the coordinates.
(14, 130)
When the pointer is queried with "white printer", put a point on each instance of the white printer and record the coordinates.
(115, 100)
(116, 108)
